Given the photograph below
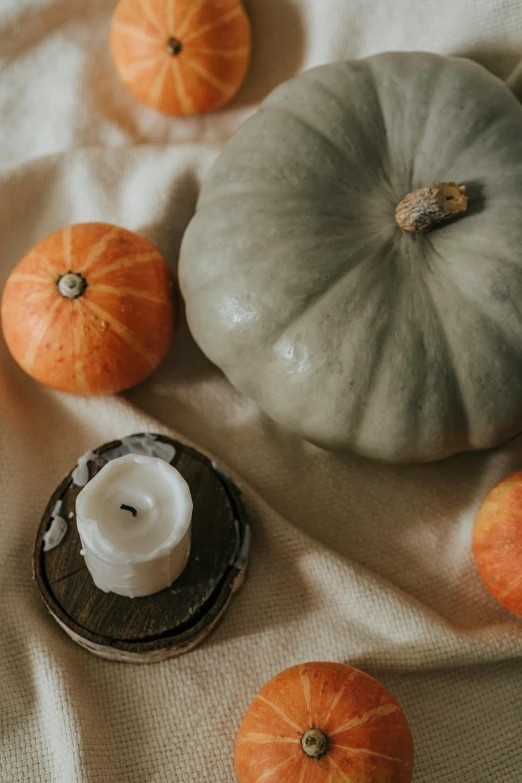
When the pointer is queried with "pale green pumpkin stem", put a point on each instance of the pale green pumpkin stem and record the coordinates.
(314, 742)
(71, 285)
(423, 209)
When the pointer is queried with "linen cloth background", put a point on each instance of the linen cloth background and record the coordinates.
(351, 561)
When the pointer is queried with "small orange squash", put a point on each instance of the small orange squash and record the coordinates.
(89, 310)
(324, 723)
(497, 542)
(181, 57)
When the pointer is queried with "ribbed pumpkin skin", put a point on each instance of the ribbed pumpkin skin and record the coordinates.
(213, 37)
(369, 739)
(497, 542)
(109, 338)
(301, 287)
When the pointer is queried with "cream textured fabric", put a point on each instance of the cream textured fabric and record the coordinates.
(351, 561)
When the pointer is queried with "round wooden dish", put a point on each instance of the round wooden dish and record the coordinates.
(156, 627)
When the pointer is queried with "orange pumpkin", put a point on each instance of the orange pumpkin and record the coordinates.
(89, 310)
(497, 542)
(324, 723)
(181, 57)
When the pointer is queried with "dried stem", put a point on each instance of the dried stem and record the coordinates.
(314, 743)
(423, 209)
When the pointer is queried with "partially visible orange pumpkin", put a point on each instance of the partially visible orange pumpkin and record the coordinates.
(89, 310)
(181, 57)
(324, 723)
(497, 542)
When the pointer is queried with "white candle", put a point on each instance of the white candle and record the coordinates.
(134, 523)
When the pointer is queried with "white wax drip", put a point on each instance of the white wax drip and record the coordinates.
(145, 444)
(80, 474)
(56, 530)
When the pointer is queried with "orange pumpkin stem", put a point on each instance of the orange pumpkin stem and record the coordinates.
(314, 742)
(174, 46)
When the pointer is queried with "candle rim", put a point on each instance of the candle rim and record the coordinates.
(111, 555)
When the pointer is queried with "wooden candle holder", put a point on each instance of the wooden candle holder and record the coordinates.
(168, 623)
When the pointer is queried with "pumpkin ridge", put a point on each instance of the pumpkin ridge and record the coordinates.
(246, 191)
(322, 87)
(338, 696)
(385, 343)
(184, 100)
(382, 334)
(337, 768)
(78, 363)
(260, 738)
(359, 406)
(122, 331)
(488, 128)
(315, 130)
(38, 296)
(188, 16)
(158, 84)
(265, 777)
(128, 263)
(385, 149)
(434, 241)
(97, 250)
(138, 293)
(130, 71)
(314, 299)
(28, 277)
(281, 713)
(419, 388)
(150, 16)
(213, 25)
(489, 316)
(235, 52)
(39, 333)
(293, 205)
(171, 15)
(381, 711)
(127, 29)
(67, 246)
(305, 684)
(428, 118)
(458, 398)
(219, 84)
(50, 266)
(494, 321)
(370, 753)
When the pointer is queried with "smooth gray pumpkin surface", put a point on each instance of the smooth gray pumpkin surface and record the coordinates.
(302, 288)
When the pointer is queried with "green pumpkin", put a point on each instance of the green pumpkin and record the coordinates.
(301, 286)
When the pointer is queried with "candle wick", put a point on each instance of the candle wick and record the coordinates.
(129, 508)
